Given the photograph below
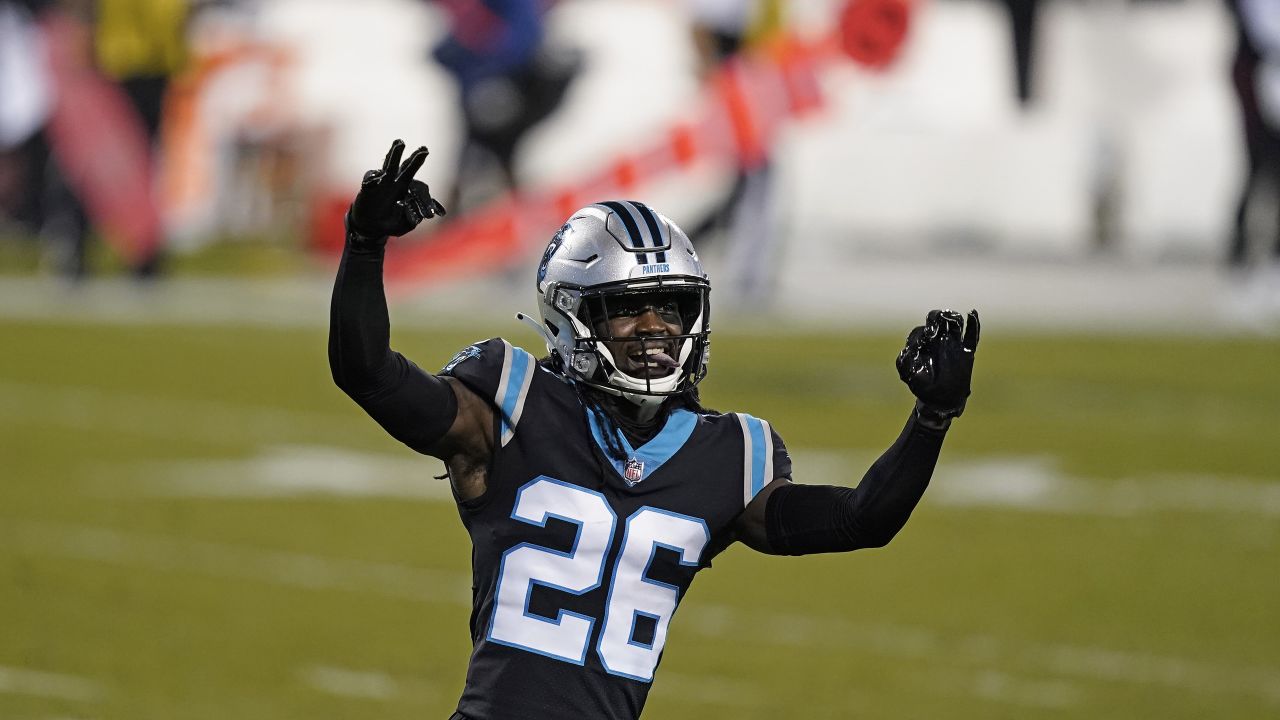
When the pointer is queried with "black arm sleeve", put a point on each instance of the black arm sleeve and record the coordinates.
(415, 407)
(805, 519)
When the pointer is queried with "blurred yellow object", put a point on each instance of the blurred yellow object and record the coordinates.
(767, 21)
(141, 37)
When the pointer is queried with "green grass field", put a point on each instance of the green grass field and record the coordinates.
(195, 524)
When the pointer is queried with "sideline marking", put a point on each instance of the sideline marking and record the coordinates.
(287, 471)
(20, 681)
(290, 569)
(158, 416)
(344, 682)
(1036, 484)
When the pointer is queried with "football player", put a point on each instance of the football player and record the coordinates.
(593, 483)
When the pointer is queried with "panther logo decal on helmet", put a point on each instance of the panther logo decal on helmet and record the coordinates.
(552, 246)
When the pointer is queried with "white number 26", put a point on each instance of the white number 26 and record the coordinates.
(632, 595)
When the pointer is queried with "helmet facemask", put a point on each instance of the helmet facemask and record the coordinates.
(666, 360)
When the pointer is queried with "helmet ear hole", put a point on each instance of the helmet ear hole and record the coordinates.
(585, 363)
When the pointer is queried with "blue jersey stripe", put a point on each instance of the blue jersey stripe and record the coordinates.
(674, 434)
(598, 432)
(655, 453)
(521, 364)
(757, 454)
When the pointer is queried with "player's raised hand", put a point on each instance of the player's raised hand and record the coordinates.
(391, 201)
(937, 362)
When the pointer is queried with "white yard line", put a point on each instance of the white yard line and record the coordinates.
(1015, 690)
(1037, 484)
(360, 684)
(1006, 484)
(57, 686)
(750, 627)
(919, 643)
(365, 684)
(712, 690)
(290, 569)
(283, 471)
(88, 408)
(381, 686)
(1087, 662)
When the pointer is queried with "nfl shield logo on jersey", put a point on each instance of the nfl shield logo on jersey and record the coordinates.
(634, 471)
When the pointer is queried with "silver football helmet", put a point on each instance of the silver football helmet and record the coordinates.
(618, 258)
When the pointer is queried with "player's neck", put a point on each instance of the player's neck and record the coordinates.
(628, 417)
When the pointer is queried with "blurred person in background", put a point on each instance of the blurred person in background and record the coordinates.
(35, 191)
(1111, 55)
(1024, 18)
(509, 79)
(142, 45)
(606, 434)
(744, 218)
(70, 188)
(1022, 31)
(1256, 77)
(26, 101)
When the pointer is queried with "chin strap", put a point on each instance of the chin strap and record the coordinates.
(648, 404)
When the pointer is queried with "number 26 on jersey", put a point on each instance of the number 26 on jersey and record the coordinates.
(582, 569)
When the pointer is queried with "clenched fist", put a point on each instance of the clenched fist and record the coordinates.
(937, 362)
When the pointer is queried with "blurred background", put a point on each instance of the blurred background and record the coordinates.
(194, 523)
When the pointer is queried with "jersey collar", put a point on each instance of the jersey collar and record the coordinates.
(645, 460)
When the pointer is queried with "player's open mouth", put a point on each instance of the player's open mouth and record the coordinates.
(654, 360)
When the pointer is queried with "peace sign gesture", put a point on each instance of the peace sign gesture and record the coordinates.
(391, 201)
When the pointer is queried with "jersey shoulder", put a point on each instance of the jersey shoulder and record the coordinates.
(502, 374)
(764, 454)
(489, 365)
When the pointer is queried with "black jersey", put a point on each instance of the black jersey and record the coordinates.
(580, 559)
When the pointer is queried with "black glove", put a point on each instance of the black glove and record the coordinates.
(390, 201)
(937, 363)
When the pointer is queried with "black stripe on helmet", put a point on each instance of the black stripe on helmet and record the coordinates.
(633, 231)
(655, 231)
